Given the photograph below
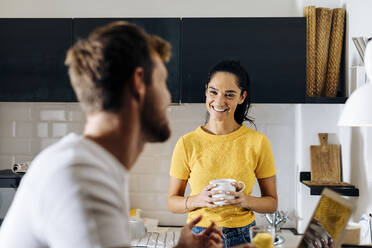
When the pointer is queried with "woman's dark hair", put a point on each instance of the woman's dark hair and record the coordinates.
(234, 67)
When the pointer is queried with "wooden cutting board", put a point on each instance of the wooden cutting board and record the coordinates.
(325, 161)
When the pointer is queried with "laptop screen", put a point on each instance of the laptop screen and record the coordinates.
(328, 222)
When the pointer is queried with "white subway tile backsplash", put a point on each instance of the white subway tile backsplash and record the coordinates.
(59, 130)
(37, 145)
(145, 165)
(15, 111)
(188, 112)
(6, 161)
(42, 130)
(42, 124)
(159, 149)
(166, 218)
(14, 146)
(272, 113)
(180, 128)
(52, 115)
(75, 127)
(23, 158)
(164, 165)
(154, 165)
(24, 129)
(76, 116)
(151, 183)
(149, 201)
(7, 128)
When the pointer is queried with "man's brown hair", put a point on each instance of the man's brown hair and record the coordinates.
(101, 66)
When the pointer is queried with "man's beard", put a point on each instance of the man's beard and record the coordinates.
(154, 127)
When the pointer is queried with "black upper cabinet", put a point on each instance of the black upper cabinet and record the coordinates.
(32, 54)
(167, 28)
(273, 51)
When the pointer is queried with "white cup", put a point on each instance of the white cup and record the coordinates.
(137, 228)
(224, 185)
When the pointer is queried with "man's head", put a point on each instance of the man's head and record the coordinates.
(102, 68)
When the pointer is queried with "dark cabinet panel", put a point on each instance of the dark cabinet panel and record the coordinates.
(32, 54)
(273, 51)
(167, 28)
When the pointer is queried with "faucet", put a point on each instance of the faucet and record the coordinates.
(277, 219)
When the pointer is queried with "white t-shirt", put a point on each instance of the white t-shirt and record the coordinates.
(75, 194)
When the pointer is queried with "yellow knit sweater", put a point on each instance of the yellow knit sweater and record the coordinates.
(243, 155)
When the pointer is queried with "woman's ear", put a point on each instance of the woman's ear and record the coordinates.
(242, 97)
(138, 84)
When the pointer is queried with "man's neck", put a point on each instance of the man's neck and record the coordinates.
(120, 134)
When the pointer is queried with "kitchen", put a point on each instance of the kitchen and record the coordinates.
(26, 128)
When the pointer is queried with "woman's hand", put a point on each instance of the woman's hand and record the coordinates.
(317, 236)
(241, 199)
(210, 237)
(237, 186)
(204, 199)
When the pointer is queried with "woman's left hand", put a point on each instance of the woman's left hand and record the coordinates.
(237, 186)
(240, 200)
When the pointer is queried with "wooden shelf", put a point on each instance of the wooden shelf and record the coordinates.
(335, 100)
(345, 189)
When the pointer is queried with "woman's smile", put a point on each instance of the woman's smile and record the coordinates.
(220, 109)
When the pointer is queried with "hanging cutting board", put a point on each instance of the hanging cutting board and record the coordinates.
(325, 161)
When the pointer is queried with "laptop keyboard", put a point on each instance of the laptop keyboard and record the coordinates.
(161, 239)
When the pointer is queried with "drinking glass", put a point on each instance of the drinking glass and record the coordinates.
(262, 236)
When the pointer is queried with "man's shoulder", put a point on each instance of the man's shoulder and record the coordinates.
(70, 149)
(69, 157)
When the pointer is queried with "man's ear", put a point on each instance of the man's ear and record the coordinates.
(138, 84)
(242, 97)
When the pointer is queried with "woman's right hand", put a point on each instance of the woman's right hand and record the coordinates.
(204, 199)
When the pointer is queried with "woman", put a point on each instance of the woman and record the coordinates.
(224, 148)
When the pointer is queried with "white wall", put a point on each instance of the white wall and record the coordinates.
(311, 119)
(355, 142)
(358, 141)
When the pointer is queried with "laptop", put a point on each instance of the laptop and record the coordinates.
(328, 222)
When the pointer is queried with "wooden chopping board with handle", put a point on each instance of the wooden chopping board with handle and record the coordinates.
(325, 161)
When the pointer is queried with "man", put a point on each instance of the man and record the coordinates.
(75, 193)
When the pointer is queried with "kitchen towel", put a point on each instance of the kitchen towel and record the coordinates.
(335, 50)
(323, 32)
(365, 230)
(21, 167)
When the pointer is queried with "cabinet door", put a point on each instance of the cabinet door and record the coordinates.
(32, 54)
(167, 28)
(272, 50)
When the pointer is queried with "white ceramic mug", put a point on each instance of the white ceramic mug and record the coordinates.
(137, 228)
(225, 185)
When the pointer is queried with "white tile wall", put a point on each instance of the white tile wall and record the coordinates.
(27, 128)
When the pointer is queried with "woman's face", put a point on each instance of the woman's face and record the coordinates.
(222, 96)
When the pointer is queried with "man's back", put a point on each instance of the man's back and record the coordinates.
(74, 195)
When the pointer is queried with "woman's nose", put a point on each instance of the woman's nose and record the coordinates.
(219, 99)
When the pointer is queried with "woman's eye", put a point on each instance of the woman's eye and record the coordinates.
(230, 95)
(213, 92)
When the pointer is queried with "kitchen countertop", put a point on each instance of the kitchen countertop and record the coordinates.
(168, 237)
(291, 240)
